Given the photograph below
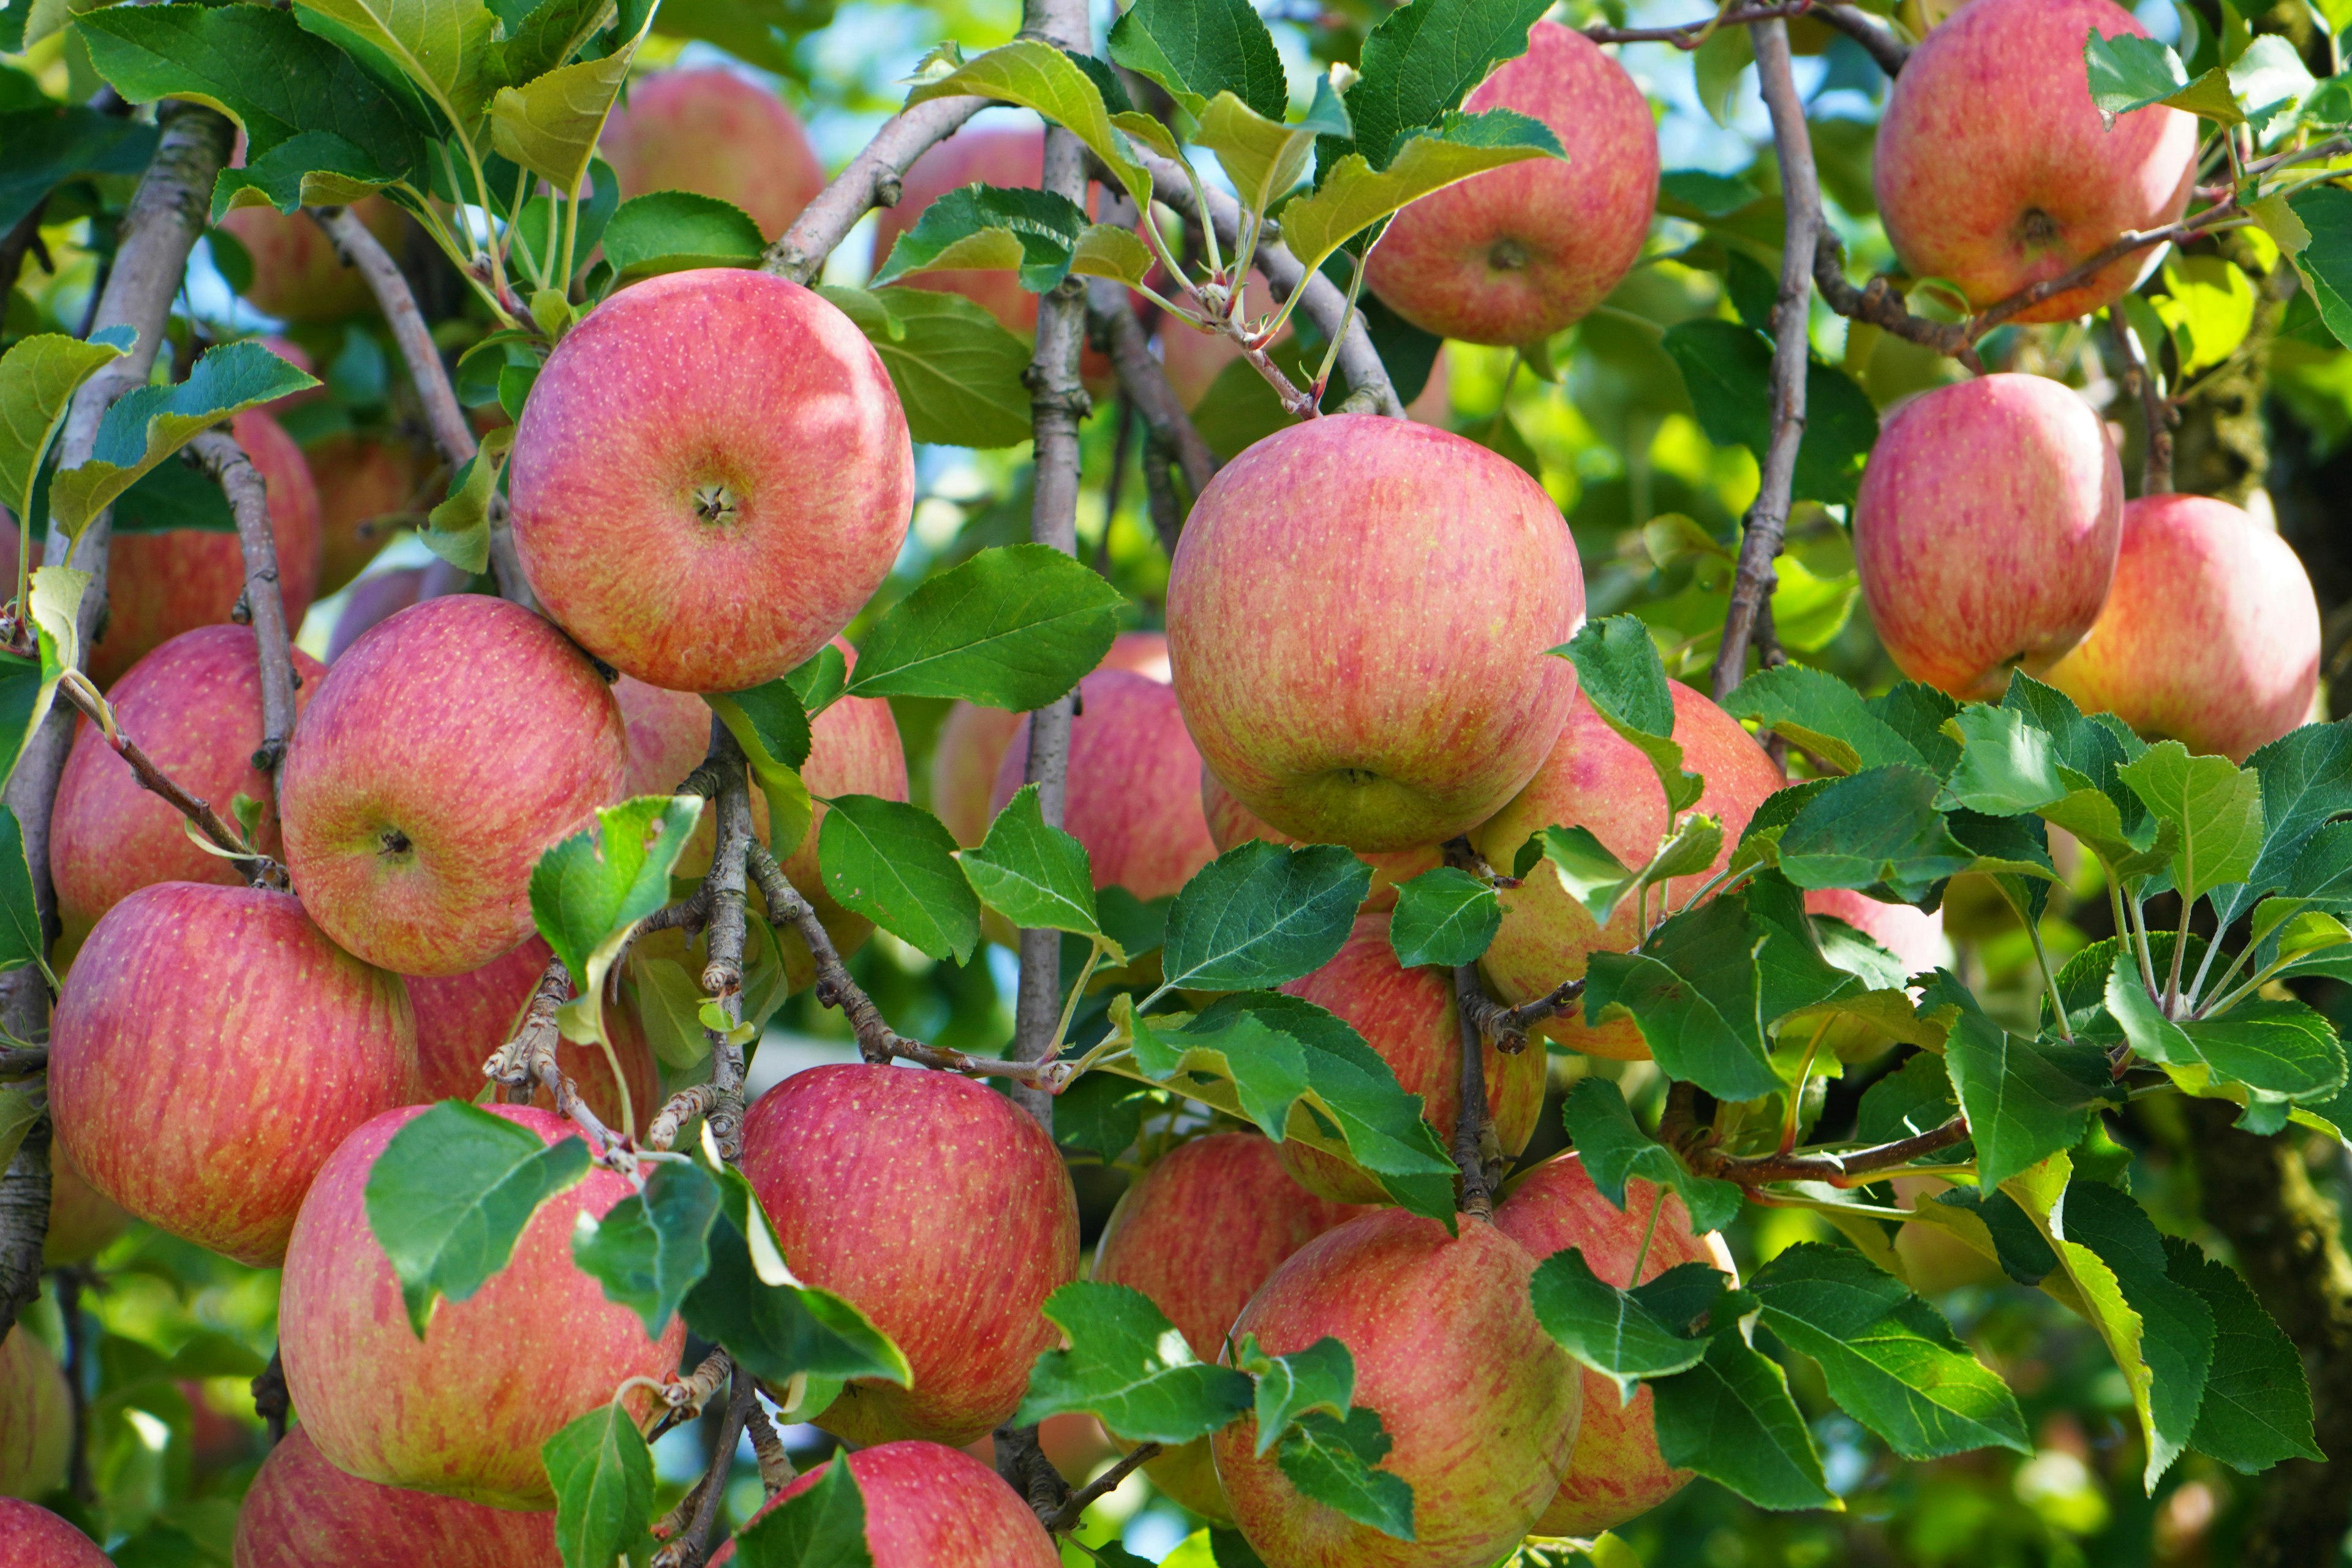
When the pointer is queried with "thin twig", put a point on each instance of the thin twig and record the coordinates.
(18, 1060)
(2156, 412)
(1167, 508)
(722, 975)
(1067, 1516)
(1021, 1461)
(872, 179)
(259, 870)
(23, 240)
(1877, 304)
(690, 1546)
(776, 1464)
(1474, 1149)
(264, 600)
(1506, 1028)
(527, 1063)
(1112, 319)
(71, 1281)
(1678, 1127)
(1866, 29)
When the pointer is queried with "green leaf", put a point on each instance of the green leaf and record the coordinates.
(823, 1527)
(1444, 916)
(1730, 1418)
(21, 1105)
(1261, 914)
(2025, 1099)
(1043, 236)
(1615, 1150)
(589, 891)
(1626, 1336)
(1013, 627)
(1335, 1463)
(1199, 49)
(1815, 710)
(2216, 806)
(1320, 1377)
(28, 686)
(769, 720)
(1728, 369)
(603, 1474)
(896, 865)
(820, 680)
(1036, 75)
(170, 497)
(2261, 1054)
(1264, 157)
(547, 34)
(2008, 764)
(2326, 212)
(49, 144)
(957, 370)
(1100, 1115)
(2306, 778)
(1129, 1367)
(458, 529)
(1879, 827)
(652, 1246)
(1620, 673)
(1911, 1099)
(1034, 875)
(22, 941)
(450, 1195)
(1918, 713)
(442, 49)
(1424, 59)
(2128, 72)
(1588, 872)
(2257, 1406)
(676, 231)
(549, 125)
(39, 377)
(1354, 196)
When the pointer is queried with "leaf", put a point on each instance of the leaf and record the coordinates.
(1878, 827)
(2216, 806)
(545, 35)
(1616, 1333)
(1013, 627)
(896, 865)
(1615, 1150)
(652, 1246)
(2008, 764)
(773, 727)
(450, 1195)
(1620, 673)
(147, 425)
(1588, 872)
(1263, 156)
(1198, 49)
(2128, 72)
(1815, 710)
(28, 686)
(1730, 1418)
(2269, 1053)
(1320, 1377)
(1261, 914)
(2257, 1406)
(49, 144)
(458, 529)
(20, 1107)
(676, 231)
(603, 1474)
(442, 47)
(1033, 874)
(2025, 1099)
(589, 891)
(823, 1527)
(1353, 195)
(956, 370)
(39, 377)
(1728, 369)
(978, 227)
(1910, 1101)
(551, 124)
(22, 941)
(2306, 778)
(1423, 59)
(1036, 75)
(1129, 1366)
(1100, 1115)
(2326, 212)
(1334, 1462)
(1444, 916)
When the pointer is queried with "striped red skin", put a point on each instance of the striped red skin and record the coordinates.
(932, 1507)
(210, 1050)
(1479, 1403)
(33, 1537)
(195, 706)
(296, 274)
(1408, 1017)
(1595, 779)
(763, 400)
(461, 1413)
(1517, 254)
(1616, 1471)
(161, 585)
(1134, 797)
(1199, 1233)
(2210, 636)
(1232, 823)
(303, 1512)
(440, 755)
(1986, 530)
(1357, 619)
(939, 1211)
(36, 1416)
(715, 134)
(1994, 170)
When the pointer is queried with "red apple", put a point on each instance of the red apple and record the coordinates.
(941, 1212)
(210, 1048)
(1595, 779)
(35, 1416)
(2210, 636)
(1199, 1233)
(1514, 255)
(1408, 1017)
(713, 133)
(1616, 1471)
(303, 1512)
(1358, 618)
(1986, 528)
(1232, 823)
(462, 1411)
(368, 487)
(373, 600)
(441, 754)
(1993, 168)
(712, 529)
(83, 1221)
(33, 1537)
(1480, 1405)
(161, 585)
(1909, 932)
(195, 706)
(932, 1507)
(296, 274)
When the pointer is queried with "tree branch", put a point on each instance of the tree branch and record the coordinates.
(264, 601)
(1678, 1127)
(1475, 1152)
(25, 1214)
(1864, 29)
(1021, 1461)
(690, 1546)
(527, 1063)
(2156, 412)
(1065, 1517)
(1112, 320)
(722, 975)
(871, 180)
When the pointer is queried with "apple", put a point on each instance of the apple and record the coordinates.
(2209, 635)
(1134, 794)
(83, 1221)
(210, 1048)
(161, 585)
(1517, 253)
(971, 741)
(1409, 1018)
(367, 486)
(373, 599)
(1616, 1471)
(195, 706)
(936, 1208)
(1911, 935)
(1232, 823)
(1199, 1233)
(35, 1416)
(1595, 779)
(462, 1411)
(714, 527)
(463, 1019)
(1357, 619)
(33, 1537)
(303, 1512)
(931, 1507)
(296, 274)
(1993, 168)
(1479, 1403)
(441, 754)
(1987, 528)
(713, 133)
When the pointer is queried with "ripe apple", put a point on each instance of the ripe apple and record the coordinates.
(195, 706)
(1481, 1407)
(715, 134)
(373, 600)
(972, 740)
(161, 585)
(931, 1507)
(1409, 1018)
(1595, 779)
(1995, 171)
(938, 1210)
(1986, 528)
(364, 482)
(210, 1048)
(1358, 618)
(1134, 797)
(1514, 255)
(296, 274)
(713, 529)
(2210, 636)
(1616, 1472)
(1199, 1233)
(33, 1537)
(1232, 823)
(83, 1221)
(462, 1411)
(303, 1512)
(35, 1416)
(441, 754)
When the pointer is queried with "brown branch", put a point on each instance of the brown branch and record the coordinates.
(24, 1215)
(768, 1450)
(1506, 1028)
(1021, 1461)
(871, 180)
(1678, 1127)
(263, 603)
(1065, 1517)
(1112, 320)
(689, 1547)
(527, 1063)
(722, 975)
(1167, 508)
(1877, 304)
(20, 241)
(2156, 412)
(694, 1100)
(259, 870)
(18, 1060)
(1476, 1151)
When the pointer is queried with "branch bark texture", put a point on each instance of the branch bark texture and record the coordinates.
(265, 599)
(871, 180)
